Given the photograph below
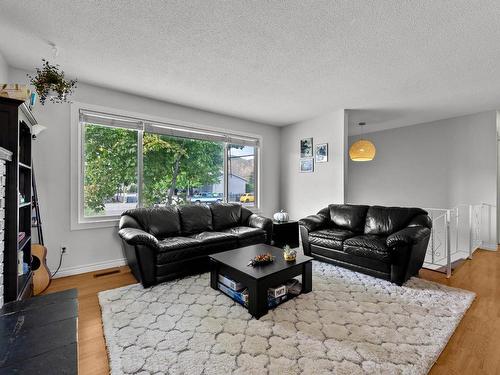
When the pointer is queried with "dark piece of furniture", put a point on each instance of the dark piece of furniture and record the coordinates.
(259, 279)
(286, 233)
(39, 335)
(167, 242)
(386, 242)
(16, 121)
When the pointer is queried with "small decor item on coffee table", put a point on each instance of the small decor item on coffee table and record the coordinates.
(261, 259)
(289, 254)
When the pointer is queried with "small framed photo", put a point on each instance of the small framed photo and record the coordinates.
(307, 165)
(306, 148)
(321, 153)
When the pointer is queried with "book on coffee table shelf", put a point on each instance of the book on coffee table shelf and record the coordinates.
(230, 283)
(242, 296)
(238, 292)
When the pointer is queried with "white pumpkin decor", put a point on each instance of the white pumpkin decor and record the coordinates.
(281, 216)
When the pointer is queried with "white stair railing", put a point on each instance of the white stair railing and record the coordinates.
(457, 233)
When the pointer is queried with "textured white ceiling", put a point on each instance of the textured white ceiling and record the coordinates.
(393, 62)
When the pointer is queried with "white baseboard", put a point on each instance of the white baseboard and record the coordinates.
(68, 271)
(488, 246)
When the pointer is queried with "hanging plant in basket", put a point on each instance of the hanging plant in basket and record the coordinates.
(50, 84)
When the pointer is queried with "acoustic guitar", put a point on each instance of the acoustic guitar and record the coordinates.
(41, 273)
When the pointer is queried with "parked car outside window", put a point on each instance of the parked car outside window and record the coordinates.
(247, 198)
(207, 198)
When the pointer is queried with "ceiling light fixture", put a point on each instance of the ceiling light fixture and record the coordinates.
(362, 149)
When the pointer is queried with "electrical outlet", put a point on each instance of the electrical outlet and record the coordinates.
(64, 250)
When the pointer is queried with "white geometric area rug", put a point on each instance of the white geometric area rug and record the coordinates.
(349, 324)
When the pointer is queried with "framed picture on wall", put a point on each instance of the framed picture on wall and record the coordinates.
(306, 148)
(321, 153)
(307, 165)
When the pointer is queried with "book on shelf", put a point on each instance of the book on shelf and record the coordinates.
(236, 286)
(293, 287)
(20, 236)
(277, 291)
(241, 297)
(273, 302)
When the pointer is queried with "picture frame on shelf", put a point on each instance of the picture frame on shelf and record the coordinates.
(306, 148)
(307, 165)
(321, 153)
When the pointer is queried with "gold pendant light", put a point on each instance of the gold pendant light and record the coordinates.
(362, 149)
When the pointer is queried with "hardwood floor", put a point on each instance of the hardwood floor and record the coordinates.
(92, 355)
(473, 349)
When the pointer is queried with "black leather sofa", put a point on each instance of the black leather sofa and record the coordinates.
(386, 242)
(168, 242)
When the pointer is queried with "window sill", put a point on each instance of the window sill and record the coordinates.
(95, 224)
(112, 222)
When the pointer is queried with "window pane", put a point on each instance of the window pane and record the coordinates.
(241, 175)
(110, 170)
(181, 170)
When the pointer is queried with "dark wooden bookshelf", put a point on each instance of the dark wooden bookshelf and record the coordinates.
(16, 121)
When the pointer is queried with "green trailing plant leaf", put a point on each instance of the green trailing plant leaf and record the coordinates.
(49, 78)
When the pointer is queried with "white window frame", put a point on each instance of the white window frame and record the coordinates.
(78, 220)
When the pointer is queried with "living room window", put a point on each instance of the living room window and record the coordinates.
(128, 162)
(241, 174)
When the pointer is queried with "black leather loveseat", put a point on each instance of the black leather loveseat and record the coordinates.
(386, 242)
(168, 242)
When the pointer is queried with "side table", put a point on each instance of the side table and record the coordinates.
(285, 233)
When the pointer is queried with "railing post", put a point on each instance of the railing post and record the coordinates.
(457, 223)
(432, 243)
(471, 232)
(448, 245)
(489, 225)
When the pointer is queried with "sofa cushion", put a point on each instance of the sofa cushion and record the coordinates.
(334, 233)
(331, 238)
(210, 237)
(350, 217)
(330, 243)
(368, 245)
(176, 243)
(387, 220)
(195, 218)
(245, 232)
(178, 248)
(161, 222)
(225, 215)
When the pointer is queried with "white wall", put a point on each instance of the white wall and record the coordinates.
(101, 247)
(440, 164)
(4, 70)
(304, 194)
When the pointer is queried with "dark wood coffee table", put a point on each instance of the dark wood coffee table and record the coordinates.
(259, 279)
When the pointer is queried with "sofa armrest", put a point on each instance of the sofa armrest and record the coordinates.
(421, 221)
(313, 222)
(408, 236)
(134, 236)
(261, 222)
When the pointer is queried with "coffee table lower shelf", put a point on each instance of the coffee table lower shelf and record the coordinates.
(258, 287)
(289, 296)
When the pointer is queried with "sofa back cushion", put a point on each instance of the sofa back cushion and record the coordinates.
(161, 222)
(348, 216)
(384, 221)
(225, 215)
(195, 218)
